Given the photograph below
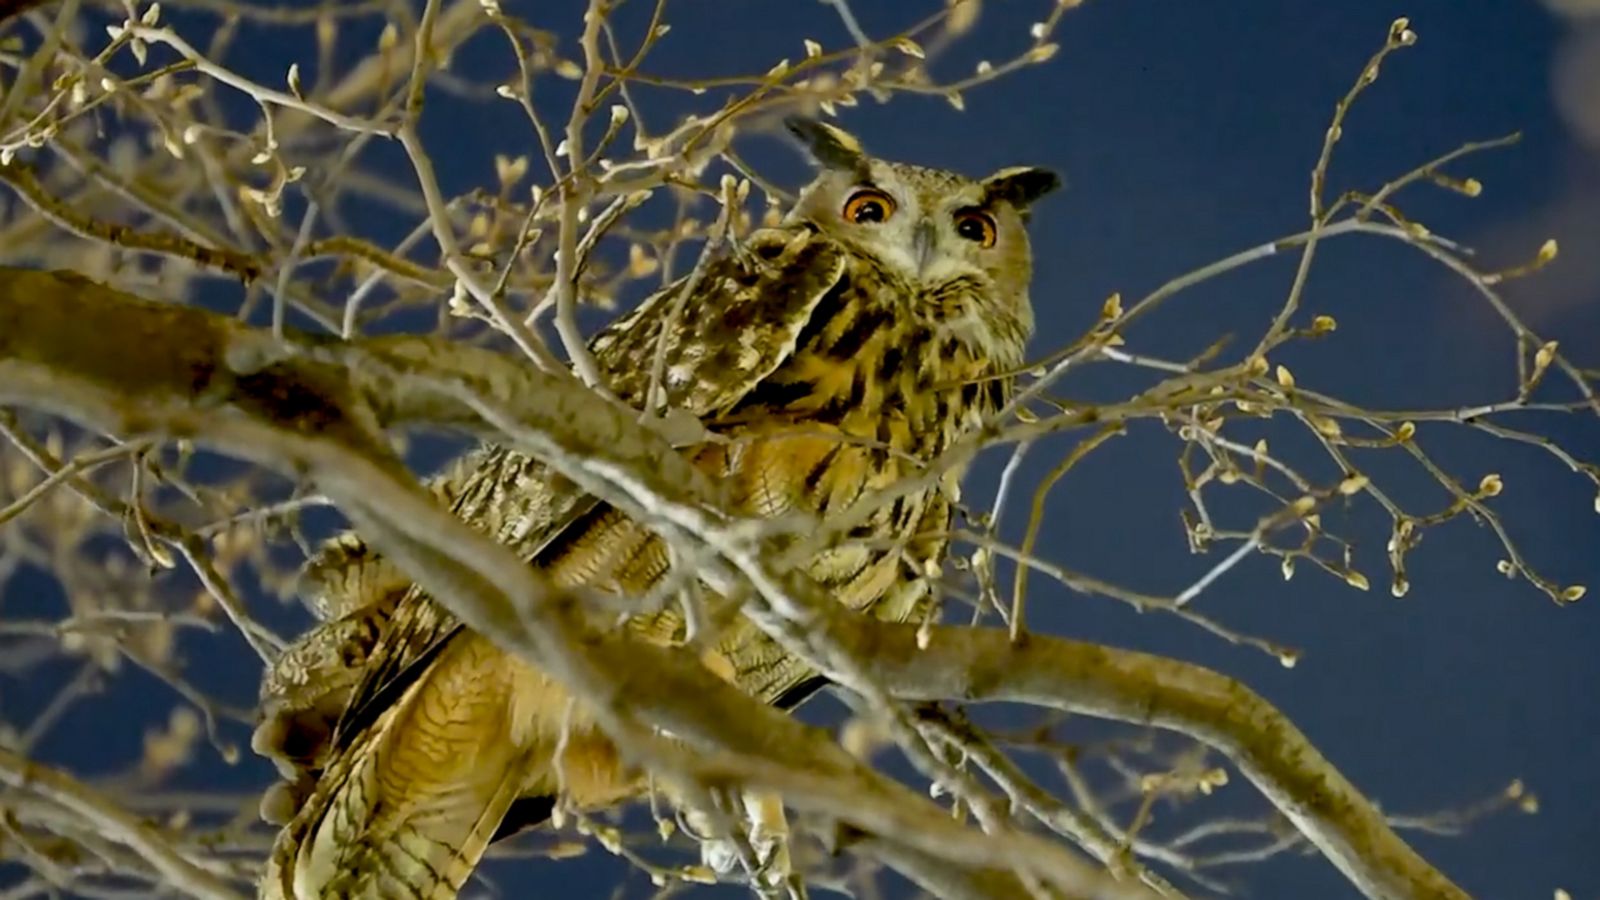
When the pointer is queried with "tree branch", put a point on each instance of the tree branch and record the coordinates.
(157, 369)
(984, 665)
(318, 408)
(103, 815)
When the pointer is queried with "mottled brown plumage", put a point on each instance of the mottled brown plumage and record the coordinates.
(830, 358)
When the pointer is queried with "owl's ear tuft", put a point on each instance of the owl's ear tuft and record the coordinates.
(1020, 185)
(829, 145)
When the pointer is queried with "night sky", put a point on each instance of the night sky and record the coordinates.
(1186, 131)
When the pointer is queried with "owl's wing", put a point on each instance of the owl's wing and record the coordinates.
(738, 322)
(334, 678)
(409, 818)
(742, 319)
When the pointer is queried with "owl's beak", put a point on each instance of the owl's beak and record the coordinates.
(923, 239)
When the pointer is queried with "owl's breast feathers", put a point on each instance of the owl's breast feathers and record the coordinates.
(824, 379)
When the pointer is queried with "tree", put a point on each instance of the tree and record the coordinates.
(241, 206)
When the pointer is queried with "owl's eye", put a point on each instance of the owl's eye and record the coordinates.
(868, 207)
(976, 227)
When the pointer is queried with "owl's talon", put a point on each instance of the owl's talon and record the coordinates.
(279, 803)
(773, 867)
(719, 855)
(295, 740)
(268, 739)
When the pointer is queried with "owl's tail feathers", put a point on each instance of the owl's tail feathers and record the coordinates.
(407, 808)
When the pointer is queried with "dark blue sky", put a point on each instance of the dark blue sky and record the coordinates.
(1185, 132)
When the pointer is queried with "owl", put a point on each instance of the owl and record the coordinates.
(826, 358)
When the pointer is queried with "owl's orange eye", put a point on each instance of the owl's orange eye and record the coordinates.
(975, 226)
(868, 207)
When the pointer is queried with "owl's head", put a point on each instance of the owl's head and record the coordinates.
(928, 226)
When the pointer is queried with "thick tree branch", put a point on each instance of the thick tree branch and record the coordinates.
(104, 816)
(983, 665)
